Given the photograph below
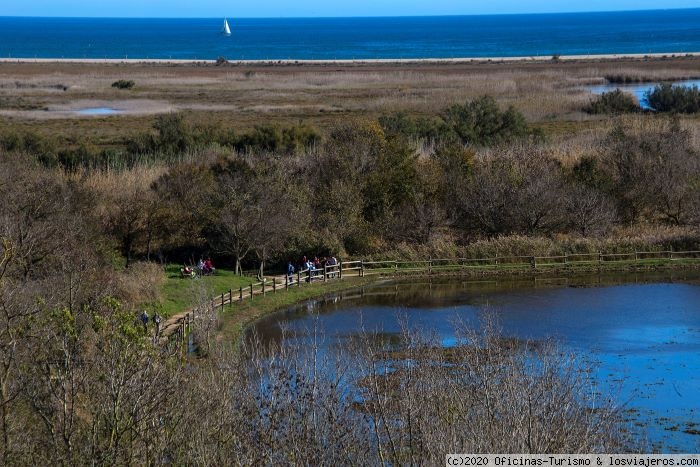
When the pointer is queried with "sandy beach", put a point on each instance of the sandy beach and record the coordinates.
(542, 58)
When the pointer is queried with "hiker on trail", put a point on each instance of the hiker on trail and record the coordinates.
(290, 270)
(156, 321)
(144, 320)
(200, 266)
(333, 262)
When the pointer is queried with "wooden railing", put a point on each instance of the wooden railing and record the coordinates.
(180, 330)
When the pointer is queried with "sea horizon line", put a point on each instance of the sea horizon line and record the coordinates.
(460, 15)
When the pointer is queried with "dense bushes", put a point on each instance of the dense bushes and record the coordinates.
(479, 122)
(364, 191)
(367, 187)
(173, 135)
(678, 99)
(613, 102)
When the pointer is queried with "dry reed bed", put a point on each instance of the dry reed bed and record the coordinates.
(244, 96)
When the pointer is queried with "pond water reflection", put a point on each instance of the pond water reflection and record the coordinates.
(98, 111)
(642, 331)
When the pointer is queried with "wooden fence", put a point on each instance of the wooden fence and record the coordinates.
(179, 330)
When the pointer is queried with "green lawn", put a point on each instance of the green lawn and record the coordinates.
(179, 294)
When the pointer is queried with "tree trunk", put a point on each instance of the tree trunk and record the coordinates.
(127, 250)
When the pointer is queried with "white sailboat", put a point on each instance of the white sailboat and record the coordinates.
(226, 31)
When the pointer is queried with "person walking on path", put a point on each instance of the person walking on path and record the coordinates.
(156, 322)
(144, 320)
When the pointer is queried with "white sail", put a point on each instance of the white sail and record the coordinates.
(227, 30)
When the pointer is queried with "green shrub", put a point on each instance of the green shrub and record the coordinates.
(613, 102)
(123, 84)
(481, 122)
(422, 128)
(273, 138)
(679, 99)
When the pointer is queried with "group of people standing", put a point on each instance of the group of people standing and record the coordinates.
(203, 268)
(314, 266)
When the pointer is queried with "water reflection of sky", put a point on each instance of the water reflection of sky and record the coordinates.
(639, 90)
(644, 337)
(98, 111)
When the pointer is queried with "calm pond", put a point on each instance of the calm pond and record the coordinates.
(641, 331)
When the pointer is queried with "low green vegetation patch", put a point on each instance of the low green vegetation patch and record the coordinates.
(613, 102)
(180, 293)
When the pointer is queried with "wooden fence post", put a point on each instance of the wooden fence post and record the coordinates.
(263, 286)
(340, 269)
(274, 285)
(251, 291)
(361, 272)
(230, 298)
(636, 256)
(325, 272)
(534, 262)
(240, 297)
(298, 278)
(286, 282)
(600, 257)
(222, 302)
(430, 265)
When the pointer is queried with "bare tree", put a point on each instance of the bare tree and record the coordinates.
(589, 211)
(515, 190)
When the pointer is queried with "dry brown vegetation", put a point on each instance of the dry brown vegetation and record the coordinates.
(549, 94)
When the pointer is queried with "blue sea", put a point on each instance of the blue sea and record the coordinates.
(662, 31)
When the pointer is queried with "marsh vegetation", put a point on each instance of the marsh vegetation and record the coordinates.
(262, 165)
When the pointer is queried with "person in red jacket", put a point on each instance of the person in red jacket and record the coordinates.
(209, 266)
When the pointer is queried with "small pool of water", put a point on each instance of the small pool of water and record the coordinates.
(642, 332)
(639, 90)
(99, 111)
